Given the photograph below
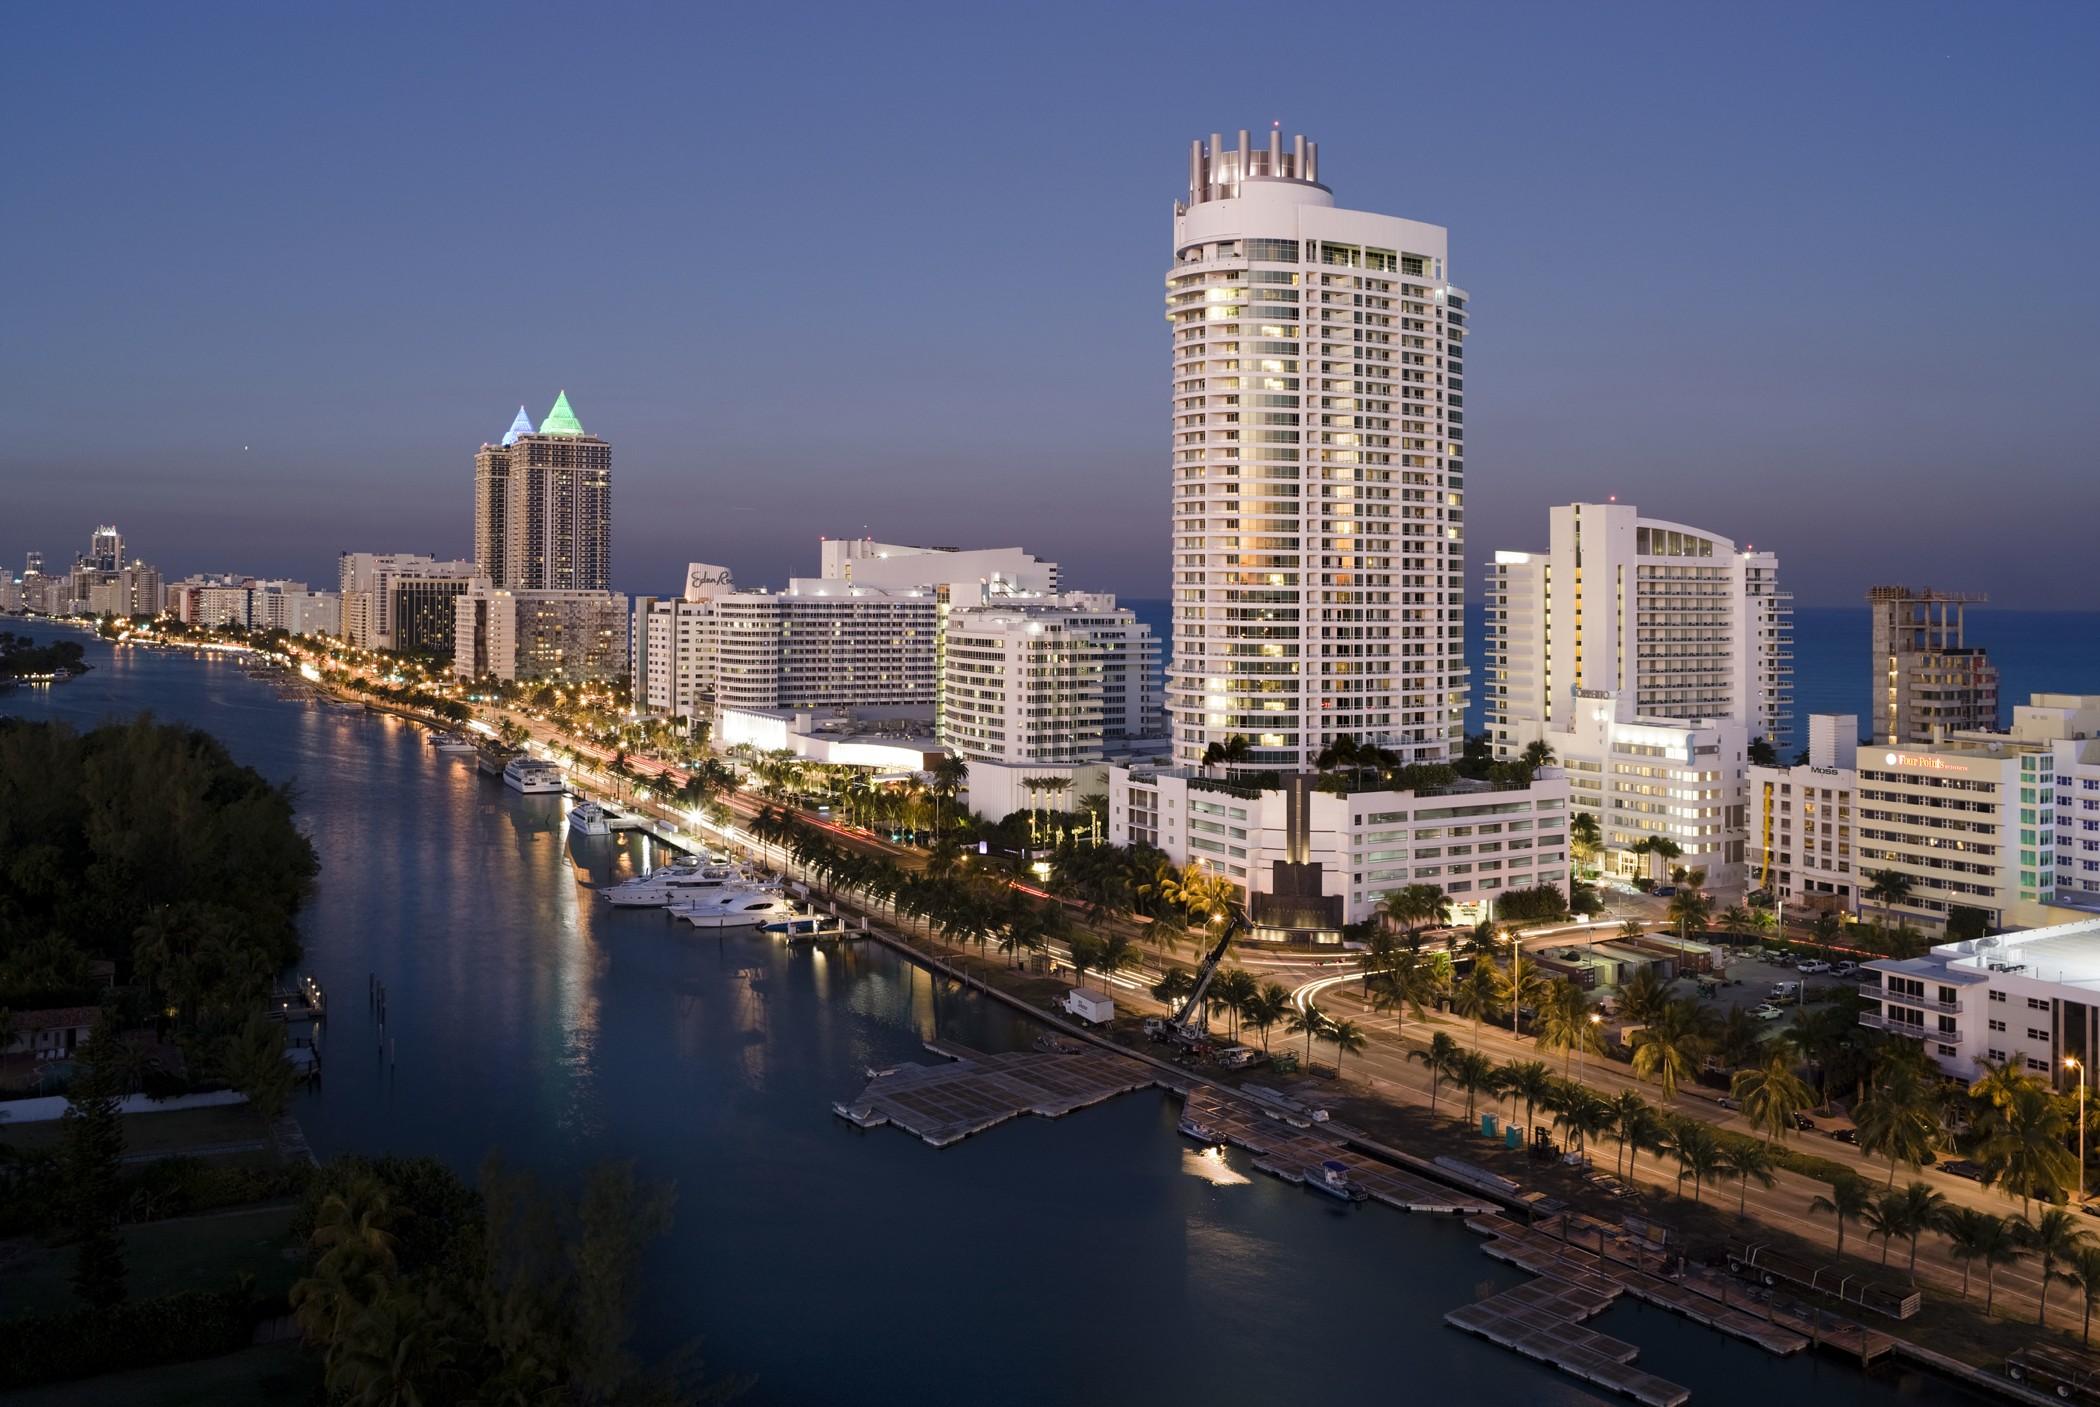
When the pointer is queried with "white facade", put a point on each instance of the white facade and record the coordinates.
(2030, 997)
(1045, 679)
(1317, 467)
(823, 644)
(828, 738)
(365, 581)
(1675, 622)
(890, 566)
(1646, 778)
(1472, 841)
(565, 636)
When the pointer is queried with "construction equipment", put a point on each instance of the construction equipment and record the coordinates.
(1187, 1025)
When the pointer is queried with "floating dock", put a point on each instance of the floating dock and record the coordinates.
(945, 1104)
(1282, 1150)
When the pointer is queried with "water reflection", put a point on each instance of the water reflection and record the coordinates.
(1211, 1165)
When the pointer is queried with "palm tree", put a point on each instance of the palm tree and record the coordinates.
(1529, 1080)
(1583, 1112)
(1113, 953)
(1227, 753)
(1414, 907)
(1586, 836)
(1441, 1059)
(1538, 753)
(1474, 1074)
(2054, 1236)
(1347, 1038)
(2022, 1147)
(1567, 1024)
(2085, 1274)
(1772, 1097)
(1474, 996)
(1519, 984)
(1974, 1235)
(1923, 1209)
(1885, 1217)
(1898, 1117)
(1309, 1021)
(1848, 1201)
(1887, 888)
(1698, 1152)
(1233, 989)
(1637, 1126)
(1669, 1049)
(1173, 988)
(1690, 909)
(1751, 1162)
(1643, 996)
(1269, 1006)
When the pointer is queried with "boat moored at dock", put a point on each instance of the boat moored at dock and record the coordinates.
(743, 909)
(532, 776)
(1334, 1180)
(807, 928)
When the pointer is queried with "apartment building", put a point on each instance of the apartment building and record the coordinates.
(1057, 678)
(567, 637)
(2031, 998)
(1927, 682)
(365, 582)
(543, 506)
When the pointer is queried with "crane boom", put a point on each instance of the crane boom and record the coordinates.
(1208, 970)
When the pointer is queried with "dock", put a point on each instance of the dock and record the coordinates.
(1543, 1320)
(1283, 1150)
(974, 1091)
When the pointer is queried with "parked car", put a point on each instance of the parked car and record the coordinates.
(1783, 992)
(1728, 1102)
(1804, 1123)
(1844, 969)
(1811, 966)
(1850, 1136)
(1765, 1011)
(1962, 1167)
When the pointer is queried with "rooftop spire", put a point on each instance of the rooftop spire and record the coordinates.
(521, 426)
(561, 420)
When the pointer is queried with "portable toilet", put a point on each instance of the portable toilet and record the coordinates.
(1490, 1125)
(1512, 1137)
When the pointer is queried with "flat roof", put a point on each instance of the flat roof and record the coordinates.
(1928, 970)
(2065, 953)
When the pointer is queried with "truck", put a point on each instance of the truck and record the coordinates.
(1094, 1008)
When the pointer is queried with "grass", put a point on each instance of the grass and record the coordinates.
(189, 1253)
(273, 1373)
(159, 1134)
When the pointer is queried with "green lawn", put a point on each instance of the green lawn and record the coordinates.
(274, 1373)
(189, 1253)
(178, 1131)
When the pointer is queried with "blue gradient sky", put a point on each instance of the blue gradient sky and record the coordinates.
(1817, 277)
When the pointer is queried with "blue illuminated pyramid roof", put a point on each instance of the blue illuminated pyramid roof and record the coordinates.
(521, 426)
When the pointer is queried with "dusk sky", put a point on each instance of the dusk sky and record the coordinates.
(1819, 278)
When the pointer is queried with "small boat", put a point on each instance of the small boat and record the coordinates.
(1203, 1133)
(532, 776)
(589, 818)
(452, 742)
(806, 928)
(1333, 1179)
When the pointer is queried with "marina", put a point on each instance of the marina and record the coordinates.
(975, 1091)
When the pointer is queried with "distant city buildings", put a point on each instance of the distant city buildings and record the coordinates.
(254, 603)
(543, 506)
(105, 550)
(1647, 655)
(1927, 681)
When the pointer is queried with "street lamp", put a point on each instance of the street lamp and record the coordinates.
(1582, 1051)
(2073, 1062)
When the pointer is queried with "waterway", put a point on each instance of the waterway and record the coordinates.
(1093, 1258)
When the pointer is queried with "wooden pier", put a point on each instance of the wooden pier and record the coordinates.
(945, 1104)
(1283, 1150)
(1543, 1320)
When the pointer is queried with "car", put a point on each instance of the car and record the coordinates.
(1810, 966)
(1727, 1102)
(2090, 1208)
(1962, 1167)
(1844, 969)
(1804, 1123)
(1850, 1136)
(1765, 1011)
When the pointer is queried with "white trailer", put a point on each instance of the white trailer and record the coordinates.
(1094, 1008)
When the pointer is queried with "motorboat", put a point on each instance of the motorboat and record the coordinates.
(806, 928)
(452, 742)
(1203, 1133)
(532, 776)
(749, 909)
(589, 818)
(1333, 1179)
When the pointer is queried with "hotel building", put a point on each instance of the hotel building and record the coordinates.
(563, 636)
(366, 582)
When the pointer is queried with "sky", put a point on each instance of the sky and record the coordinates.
(1815, 277)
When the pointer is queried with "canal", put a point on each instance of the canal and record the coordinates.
(1094, 1258)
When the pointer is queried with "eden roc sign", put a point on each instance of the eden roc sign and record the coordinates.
(704, 580)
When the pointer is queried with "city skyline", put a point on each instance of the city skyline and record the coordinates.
(1720, 317)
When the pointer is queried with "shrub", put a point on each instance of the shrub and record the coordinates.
(137, 1334)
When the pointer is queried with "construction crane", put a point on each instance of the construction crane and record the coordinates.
(1185, 1021)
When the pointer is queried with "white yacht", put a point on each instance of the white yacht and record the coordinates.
(589, 818)
(673, 884)
(531, 776)
(452, 742)
(748, 910)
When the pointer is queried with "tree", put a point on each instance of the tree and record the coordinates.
(1308, 1021)
(1638, 1126)
(2085, 1274)
(1898, 1117)
(1669, 1048)
(1975, 1235)
(1887, 888)
(1441, 1060)
(1347, 1038)
(1848, 1200)
(1474, 996)
(1474, 1074)
(1232, 750)
(1699, 1153)
(1583, 1113)
(1519, 984)
(1586, 836)
(1529, 1080)
(1269, 1006)
(1922, 1210)
(1762, 753)
(2053, 1237)
(1538, 753)
(1567, 1024)
(1643, 996)
(1234, 989)
(1751, 1162)
(1414, 907)
(2022, 1144)
(1885, 1217)
(90, 1163)
(255, 1065)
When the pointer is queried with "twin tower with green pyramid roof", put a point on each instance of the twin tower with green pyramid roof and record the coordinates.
(543, 506)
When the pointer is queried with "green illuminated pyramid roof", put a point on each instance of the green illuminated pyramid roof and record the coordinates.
(561, 420)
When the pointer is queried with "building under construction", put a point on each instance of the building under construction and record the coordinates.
(1928, 681)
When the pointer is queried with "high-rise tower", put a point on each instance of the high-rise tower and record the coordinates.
(105, 550)
(543, 506)
(1319, 538)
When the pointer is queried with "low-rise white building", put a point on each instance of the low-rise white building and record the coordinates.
(887, 746)
(1030, 679)
(2030, 997)
(1303, 849)
(1657, 779)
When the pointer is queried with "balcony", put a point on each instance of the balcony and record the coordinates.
(1876, 1021)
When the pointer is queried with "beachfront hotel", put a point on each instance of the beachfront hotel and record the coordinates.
(1648, 655)
(1318, 557)
(1318, 472)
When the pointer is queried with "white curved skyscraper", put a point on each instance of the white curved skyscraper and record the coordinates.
(1318, 467)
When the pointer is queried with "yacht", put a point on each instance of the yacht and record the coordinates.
(806, 928)
(674, 883)
(589, 818)
(746, 909)
(452, 742)
(532, 776)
